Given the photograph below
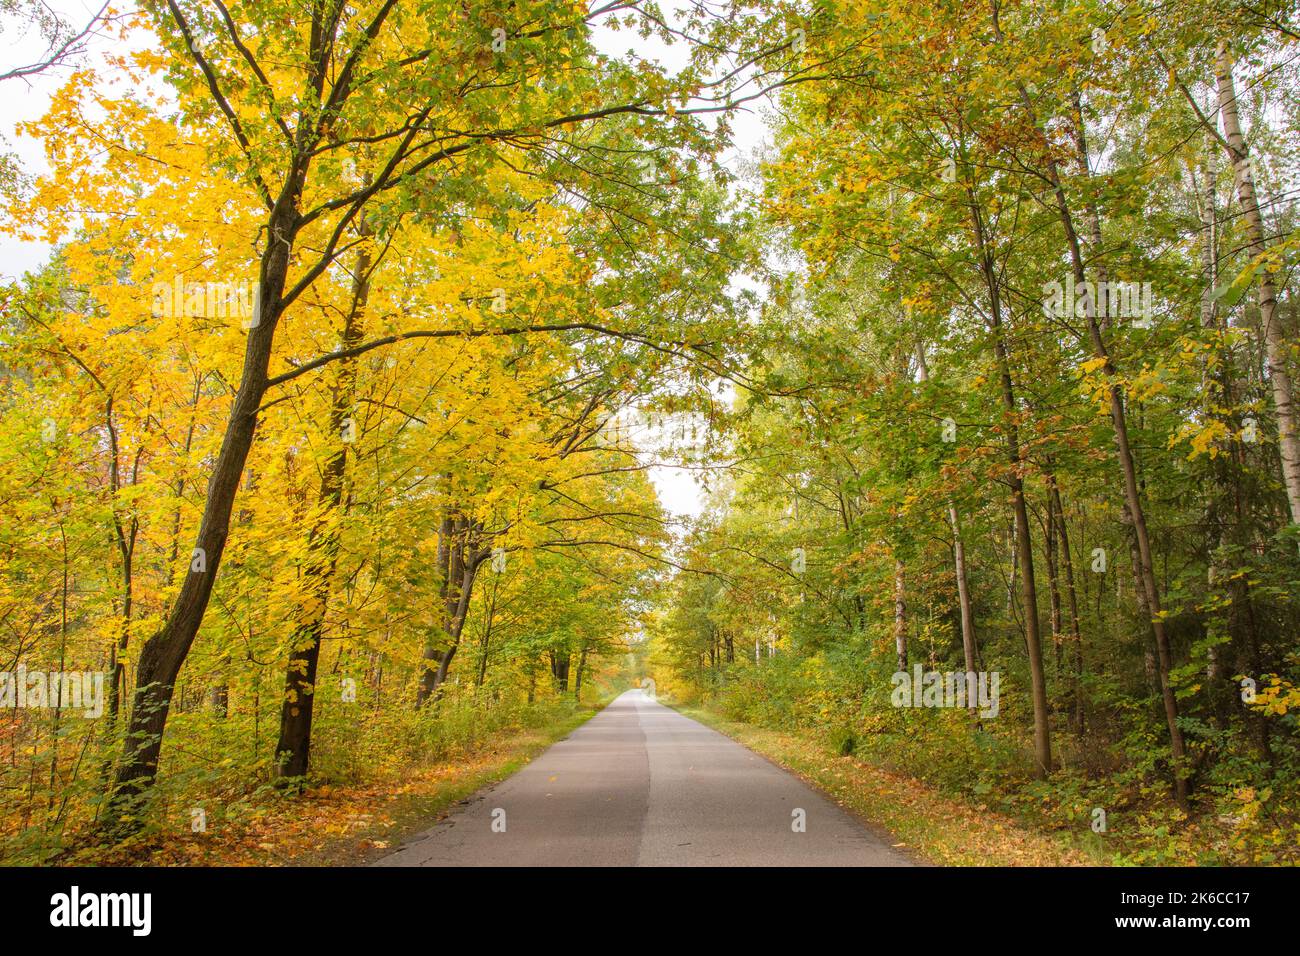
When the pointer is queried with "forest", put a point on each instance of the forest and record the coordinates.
(336, 418)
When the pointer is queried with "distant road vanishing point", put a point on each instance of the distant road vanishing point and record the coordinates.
(641, 785)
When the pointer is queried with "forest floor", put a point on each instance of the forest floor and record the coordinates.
(344, 825)
(934, 826)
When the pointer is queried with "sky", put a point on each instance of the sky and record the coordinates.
(25, 99)
(28, 98)
(678, 490)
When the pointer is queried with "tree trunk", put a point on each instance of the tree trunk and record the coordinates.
(485, 644)
(117, 670)
(1024, 551)
(293, 750)
(969, 645)
(1071, 602)
(125, 540)
(900, 615)
(463, 557)
(163, 654)
(1128, 468)
(432, 651)
(577, 683)
(457, 565)
(1053, 582)
(560, 670)
(219, 700)
(1275, 343)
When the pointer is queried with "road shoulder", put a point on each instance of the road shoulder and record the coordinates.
(430, 802)
(346, 824)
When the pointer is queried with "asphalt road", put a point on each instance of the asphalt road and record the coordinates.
(641, 785)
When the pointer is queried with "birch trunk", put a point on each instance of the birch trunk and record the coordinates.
(1274, 336)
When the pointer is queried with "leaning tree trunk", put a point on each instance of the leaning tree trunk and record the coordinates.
(1023, 546)
(163, 654)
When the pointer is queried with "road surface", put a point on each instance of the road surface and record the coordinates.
(641, 785)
